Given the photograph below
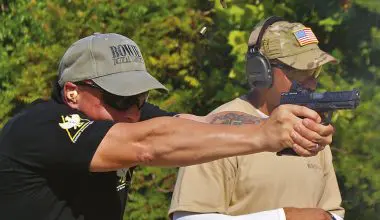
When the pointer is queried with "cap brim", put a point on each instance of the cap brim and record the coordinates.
(129, 83)
(308, 60)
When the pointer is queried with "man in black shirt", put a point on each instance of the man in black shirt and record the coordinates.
(68, 158)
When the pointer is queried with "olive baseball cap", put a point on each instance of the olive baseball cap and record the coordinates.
(291, 43)
(114, 62)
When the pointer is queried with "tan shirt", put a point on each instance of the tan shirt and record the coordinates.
(258, 182)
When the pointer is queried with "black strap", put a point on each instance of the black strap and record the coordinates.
(269, 21)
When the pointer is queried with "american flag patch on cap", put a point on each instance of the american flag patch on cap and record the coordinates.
(305, 36)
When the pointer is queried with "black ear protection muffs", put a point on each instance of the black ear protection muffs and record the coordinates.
(258, 69)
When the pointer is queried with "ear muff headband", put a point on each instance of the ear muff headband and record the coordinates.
(258, 69)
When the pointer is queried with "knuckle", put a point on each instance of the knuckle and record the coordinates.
(317, 139)
(309, 146)
(286, 120)
(280, 119)
(285, 138)
(314, 126)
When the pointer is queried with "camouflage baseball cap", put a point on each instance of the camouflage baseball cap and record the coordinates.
(112, 61)
(291, 43)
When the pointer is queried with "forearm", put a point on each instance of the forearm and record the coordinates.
(181, 142)
(277, 214)
(292, 213)
(168, 141)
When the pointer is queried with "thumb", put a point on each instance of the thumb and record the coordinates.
(304, 112)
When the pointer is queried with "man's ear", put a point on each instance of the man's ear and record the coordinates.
(70, 94)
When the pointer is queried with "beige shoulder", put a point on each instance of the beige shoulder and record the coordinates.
(237, 104)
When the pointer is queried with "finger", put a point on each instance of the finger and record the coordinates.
(302, 151)
(317, 148)
(302, 111)
(315, 137)
(305, 132)
(323, 130)
(301, 141)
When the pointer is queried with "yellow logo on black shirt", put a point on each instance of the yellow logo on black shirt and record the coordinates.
(124, 178)
(74, 125)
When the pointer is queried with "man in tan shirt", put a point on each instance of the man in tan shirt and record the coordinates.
(264, 185)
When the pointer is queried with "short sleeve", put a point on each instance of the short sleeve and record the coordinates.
(65, 141)
(205, 187)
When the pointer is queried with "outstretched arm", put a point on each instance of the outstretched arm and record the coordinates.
(167, 141)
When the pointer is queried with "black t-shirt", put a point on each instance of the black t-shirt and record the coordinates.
(149, 111)
(45, 152)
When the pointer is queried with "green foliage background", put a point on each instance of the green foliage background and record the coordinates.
(203, 72)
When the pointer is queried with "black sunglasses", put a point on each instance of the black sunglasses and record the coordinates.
(293, 73)
(117, 102)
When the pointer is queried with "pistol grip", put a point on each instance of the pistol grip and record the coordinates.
(326, 119)
(287, 151)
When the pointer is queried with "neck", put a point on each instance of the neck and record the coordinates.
(258, 99)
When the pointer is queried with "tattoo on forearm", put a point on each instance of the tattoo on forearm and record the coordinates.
(235, 119)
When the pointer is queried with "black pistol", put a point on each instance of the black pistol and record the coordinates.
(323, 103)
